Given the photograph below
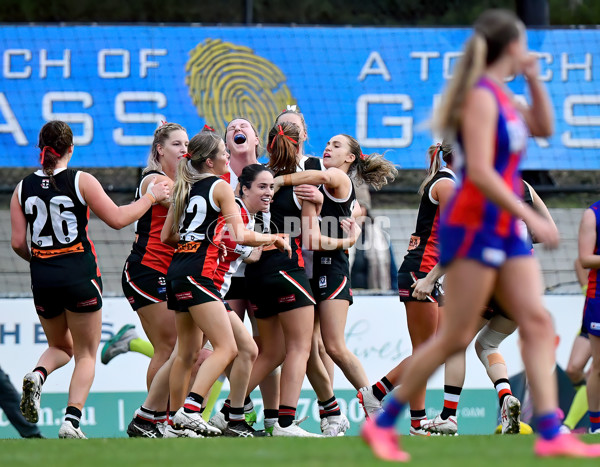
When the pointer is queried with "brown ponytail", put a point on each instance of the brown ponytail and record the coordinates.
(435, 154)
(55, 139)
(283, 148)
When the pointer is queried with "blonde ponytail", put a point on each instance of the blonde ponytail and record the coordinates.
(181, 191)
(467, 72)
(494, 30)
(203, 146)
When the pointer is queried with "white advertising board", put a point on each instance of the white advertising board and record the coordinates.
(376, 332)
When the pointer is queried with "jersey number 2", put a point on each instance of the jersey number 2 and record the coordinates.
(196, 206)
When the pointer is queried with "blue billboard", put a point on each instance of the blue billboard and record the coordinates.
(114, 84)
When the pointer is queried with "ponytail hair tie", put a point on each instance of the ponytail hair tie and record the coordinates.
(363, 156)
(438, 148)
(188, 156)
(280, 132)
(207, 128)
(50, 150)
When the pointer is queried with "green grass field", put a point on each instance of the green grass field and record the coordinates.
(463, 451)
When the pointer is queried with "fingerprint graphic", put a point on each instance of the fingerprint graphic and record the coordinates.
(227, 81)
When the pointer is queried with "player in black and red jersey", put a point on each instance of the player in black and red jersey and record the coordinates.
(145, 271)
(67, 290)
(315, 368)
(256, 193)
(320, 368)
(242, 141)
(285, 316)
(422, 315)
(144, 284)
(331, 282)
(203, 204)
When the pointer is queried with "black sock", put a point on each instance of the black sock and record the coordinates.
(248, 405)
(416, 416)
(160, 416)
(145, 415)
(271, 413)
(43, 372)
(329, 407)
(193, 403)
(388, 385)
(382, 387)
(226, 408)
(236, 414)
(286, 415)
(451, 397)
(503, 389)
(73, 415)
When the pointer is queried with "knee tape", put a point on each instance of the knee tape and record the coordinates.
(489, 341)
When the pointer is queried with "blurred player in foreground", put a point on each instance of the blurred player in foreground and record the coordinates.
(482, 240)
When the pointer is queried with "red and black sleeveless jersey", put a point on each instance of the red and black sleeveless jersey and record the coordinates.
(284, 218)
(423, 248)
(147, 247)
(235, 253)
(199, 233)
(61, 252)
(332, 212)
